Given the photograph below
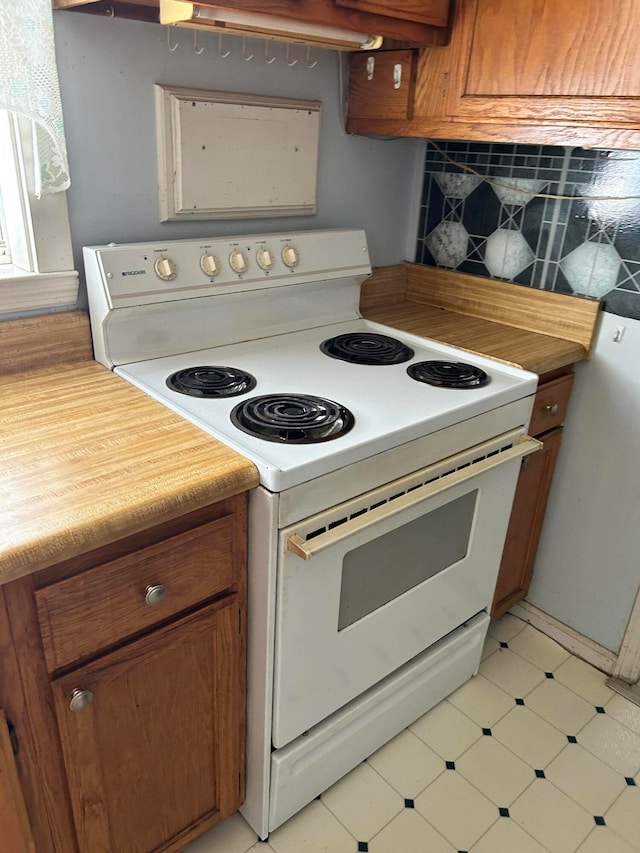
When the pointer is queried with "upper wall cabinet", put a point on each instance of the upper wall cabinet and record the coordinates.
(533, 71)
(418, 22)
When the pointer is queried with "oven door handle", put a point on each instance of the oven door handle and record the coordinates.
(307, 548)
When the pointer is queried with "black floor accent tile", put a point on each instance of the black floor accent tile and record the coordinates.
(486, 732)
(630, 780)
(540, 774)
(572, 739)
(600, 709)
(450, 765)
(600, 821)
(549, 675)
(519, 701)
(504, 645)
(504, 812)
(409, 804)
(363, 847)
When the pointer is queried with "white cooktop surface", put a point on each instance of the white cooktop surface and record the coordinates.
(389, 407)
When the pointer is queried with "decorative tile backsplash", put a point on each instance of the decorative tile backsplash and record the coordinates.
(507, 222)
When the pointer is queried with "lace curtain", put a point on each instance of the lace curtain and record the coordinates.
(29, 86)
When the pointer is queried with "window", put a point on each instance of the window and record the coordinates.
(36, 261)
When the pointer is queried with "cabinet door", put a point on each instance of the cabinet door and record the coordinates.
(547, 59)
(434, 12)
(525, 525)
(159, 721)
(14, 823)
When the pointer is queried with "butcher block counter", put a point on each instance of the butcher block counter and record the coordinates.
(86, 458)
(534, 329)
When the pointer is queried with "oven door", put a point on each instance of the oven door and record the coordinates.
(369, 584)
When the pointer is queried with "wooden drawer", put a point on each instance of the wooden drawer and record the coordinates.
(83, 614)
(550, 405)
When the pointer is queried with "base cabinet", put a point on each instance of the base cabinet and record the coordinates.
(132, 733)
(151, 734)
(14, 822)
(532, 493)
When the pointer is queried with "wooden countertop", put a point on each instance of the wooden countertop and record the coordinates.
(86, 459)
(459, 310)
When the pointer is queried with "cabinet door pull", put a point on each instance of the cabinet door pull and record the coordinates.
(552, 408)
(80, 699)
(155, 594)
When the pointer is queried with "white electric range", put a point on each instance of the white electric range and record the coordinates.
(387, 468)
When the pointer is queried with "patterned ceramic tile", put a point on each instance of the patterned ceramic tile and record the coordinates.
(234, 835)
(512, 673)
(560, 706)
(530, 737)
(585, 680)
(555, 218)
(586, 779)
(551, 817)
(505, 628)
(314, 830)
(613, 743)
(625, 712)
(495, 770)
(505, 836)
(624, 816)
(482, 701)
(447, 731)
(538, 649)
(407, 764)
(363, 802)
(441, 804)
(408, 832)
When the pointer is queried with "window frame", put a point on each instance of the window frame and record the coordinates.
(40, 275)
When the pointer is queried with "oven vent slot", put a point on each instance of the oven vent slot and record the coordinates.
(354, 509)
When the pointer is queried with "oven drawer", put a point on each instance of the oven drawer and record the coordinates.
(84, 614)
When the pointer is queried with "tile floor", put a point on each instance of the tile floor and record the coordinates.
(534, 754)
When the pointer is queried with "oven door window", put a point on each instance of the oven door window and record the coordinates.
(389, 566)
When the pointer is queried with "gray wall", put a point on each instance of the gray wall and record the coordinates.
(107, 70)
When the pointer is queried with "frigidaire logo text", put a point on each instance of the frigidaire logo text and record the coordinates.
(134, 272)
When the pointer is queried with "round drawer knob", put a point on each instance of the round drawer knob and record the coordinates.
(80, 699)
(552, 408)
(155, 594)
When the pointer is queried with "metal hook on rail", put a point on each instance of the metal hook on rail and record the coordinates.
(268, 60)
(244, 51)
(198, 50)
(176, 45)
(223, 54)
(110, 11)
(295, 61)
(308, 57)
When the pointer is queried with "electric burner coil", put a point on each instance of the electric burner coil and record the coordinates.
(292, 418)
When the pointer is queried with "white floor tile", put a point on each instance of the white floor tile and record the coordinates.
(585, 680)
(363, 802)
(592, 784)
(625, 712)
(447, 731)
(234, 835)
(505, 836)
(530, 737)
(407, 764)
(313, 830)
(612, 742)
(457, 810)
(560, 706)
(604, 840)
(482, 701)
(624, 816)
(505, 628)
(511, 673)
(408, 833)
(491, 645)
(538, 649)
(551, 817)
(495, 771)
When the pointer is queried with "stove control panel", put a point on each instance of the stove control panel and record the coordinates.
(144, 273)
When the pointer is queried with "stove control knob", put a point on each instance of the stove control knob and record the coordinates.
(209, 264)
(265, 259)
(166, 268)
(238, 261)
(290, 256)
